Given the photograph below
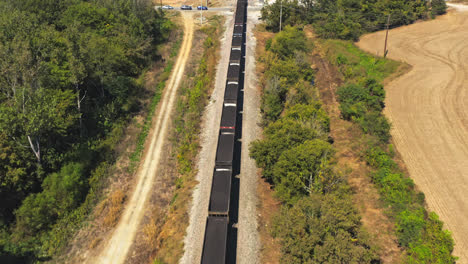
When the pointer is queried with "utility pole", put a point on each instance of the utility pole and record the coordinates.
(281, 13)
(385, 51)
(201, 12)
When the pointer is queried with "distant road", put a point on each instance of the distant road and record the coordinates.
(428, 108)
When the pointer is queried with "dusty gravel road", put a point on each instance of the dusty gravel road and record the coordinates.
(118, 245)
(429, 110)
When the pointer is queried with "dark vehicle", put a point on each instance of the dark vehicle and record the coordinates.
(228, 117)
(235, 56)
(215, 242)
(220, 192)
(225, 151)
(231, 92)
(202, 8)
(186, 7)
(233, 72)
(237, 42)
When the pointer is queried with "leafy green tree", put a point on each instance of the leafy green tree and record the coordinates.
(284, 134)
(62, 192)
(289, 41)
(302, 170)
(322, 230)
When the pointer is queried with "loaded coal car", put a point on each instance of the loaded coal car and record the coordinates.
(215, 242)
(238, 30)
(239, 19)
(235, 56)
(228, 117)
(237, 42)
(225, 150)
(231, 92)
(220, 192)
(233, 72)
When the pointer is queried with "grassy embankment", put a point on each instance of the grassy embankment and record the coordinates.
(193, 97)
(361, 99)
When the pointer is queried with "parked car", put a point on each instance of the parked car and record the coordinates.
(186, 7)
(202, 8)
(167, 7)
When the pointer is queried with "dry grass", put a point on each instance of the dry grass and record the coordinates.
(111, 208)
(95, 242)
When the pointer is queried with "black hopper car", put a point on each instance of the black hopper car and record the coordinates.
(215, 244)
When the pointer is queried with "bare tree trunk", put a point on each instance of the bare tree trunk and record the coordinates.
(78, 104)
(36, 149)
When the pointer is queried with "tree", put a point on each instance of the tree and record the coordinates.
(322, 230)
(284, 134)
(289, 41)
(302, 170)
(62, 192)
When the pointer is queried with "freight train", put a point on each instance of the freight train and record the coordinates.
(217, 223)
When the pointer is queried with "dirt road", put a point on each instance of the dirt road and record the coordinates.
(122, 238)
(429, 110)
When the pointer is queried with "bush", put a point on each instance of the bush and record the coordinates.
(376, 124)
(439, 7)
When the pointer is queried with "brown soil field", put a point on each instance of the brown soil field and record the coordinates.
(428, 108)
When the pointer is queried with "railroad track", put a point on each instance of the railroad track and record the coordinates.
(220, 232)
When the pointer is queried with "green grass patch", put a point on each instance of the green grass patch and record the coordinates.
(355, 64)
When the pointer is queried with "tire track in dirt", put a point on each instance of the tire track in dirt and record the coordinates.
(428, 109)
(116, 250)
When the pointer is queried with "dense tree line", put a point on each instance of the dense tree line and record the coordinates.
(68, 82)
(348, 19)
(318, 222)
